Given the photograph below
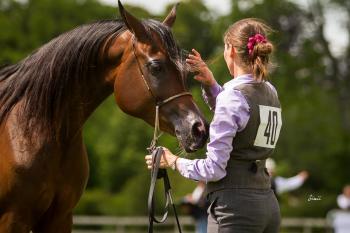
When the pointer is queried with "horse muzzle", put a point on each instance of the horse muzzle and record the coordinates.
(192, 133)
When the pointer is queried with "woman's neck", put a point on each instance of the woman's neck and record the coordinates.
(237, 71)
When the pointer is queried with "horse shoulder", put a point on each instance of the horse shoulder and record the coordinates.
(16, 147)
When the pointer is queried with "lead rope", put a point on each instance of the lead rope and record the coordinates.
(156, 134)
(157, 173)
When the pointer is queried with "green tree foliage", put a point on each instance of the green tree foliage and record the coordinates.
(26, 26)
(312, 82)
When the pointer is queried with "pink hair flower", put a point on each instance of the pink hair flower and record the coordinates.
(253, 40)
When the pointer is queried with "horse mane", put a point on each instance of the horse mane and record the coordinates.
(46, 81)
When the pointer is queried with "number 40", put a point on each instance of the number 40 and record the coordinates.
(271, 128)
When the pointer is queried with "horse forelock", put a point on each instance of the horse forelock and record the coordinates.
(168, 42)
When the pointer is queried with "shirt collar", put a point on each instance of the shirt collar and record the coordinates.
(241, 79)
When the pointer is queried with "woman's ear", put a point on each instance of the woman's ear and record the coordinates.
(233, 51)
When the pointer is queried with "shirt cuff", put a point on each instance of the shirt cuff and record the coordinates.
(213, 90)
(182, 166)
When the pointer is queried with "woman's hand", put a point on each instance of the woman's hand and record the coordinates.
(204, 75)
(168, 160)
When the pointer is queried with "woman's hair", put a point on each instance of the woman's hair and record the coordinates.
(249, 37)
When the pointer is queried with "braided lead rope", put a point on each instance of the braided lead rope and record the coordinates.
(156, 134)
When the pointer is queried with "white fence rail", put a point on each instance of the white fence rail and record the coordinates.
(108, 224)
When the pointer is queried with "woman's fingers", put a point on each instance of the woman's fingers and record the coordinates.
(195, 65)
(165, 149)
(165, 161)
(199, 78)
(195, 52)
(194, 57)
(191, 61)
(197, 61)
(149, 161)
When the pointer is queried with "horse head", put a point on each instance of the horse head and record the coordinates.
(151, 70)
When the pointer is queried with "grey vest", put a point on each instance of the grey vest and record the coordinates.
(246, 166)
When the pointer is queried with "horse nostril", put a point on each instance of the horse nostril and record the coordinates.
(197, 129)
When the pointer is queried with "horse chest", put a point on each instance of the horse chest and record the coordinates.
(47, 175)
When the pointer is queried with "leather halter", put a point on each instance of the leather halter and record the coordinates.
(158, 103)
(157, 153)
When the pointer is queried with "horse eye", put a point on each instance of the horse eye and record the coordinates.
(155, 68)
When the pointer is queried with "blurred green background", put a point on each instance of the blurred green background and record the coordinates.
(313, 83)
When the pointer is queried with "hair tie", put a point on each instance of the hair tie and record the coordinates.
(253, 40)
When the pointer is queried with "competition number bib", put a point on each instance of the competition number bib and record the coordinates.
(269, 128)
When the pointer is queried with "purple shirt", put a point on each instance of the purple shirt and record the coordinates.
(231, 116)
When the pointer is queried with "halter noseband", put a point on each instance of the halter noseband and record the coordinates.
(158, 104)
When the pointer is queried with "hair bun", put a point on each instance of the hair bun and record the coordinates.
(262, 49)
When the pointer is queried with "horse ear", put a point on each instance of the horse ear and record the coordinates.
(170, 19)
(133, 24)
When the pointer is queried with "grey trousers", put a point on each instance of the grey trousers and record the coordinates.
(243, 211)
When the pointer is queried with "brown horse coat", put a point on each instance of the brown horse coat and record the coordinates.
(46, 98)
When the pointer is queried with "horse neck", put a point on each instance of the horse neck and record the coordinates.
(101, 85)
(92, 97)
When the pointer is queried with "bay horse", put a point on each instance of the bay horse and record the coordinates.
(46, 98)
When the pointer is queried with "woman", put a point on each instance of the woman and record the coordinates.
(243, 133)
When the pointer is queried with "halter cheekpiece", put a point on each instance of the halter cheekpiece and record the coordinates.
(157, 152)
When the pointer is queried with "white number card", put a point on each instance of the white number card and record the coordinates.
(269, 128)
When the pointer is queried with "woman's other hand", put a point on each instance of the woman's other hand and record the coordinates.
(197, 65)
